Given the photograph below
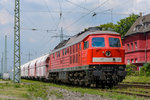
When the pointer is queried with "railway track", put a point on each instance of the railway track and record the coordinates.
(133, 89)
(130, 93)
(125, 85)
(136, 83)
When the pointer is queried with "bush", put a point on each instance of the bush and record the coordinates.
(145, 70)
(131, 69)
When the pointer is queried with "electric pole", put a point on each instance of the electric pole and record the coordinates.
(61, 36)
(2, 64)
(5, 69)
(17, 58)
(29, 56)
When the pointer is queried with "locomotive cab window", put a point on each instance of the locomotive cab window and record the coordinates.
(114, 42)
(98, 42)
(86, 44)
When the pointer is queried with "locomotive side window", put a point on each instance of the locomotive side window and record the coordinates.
(63, 52)
(70, 59)
(54, 55)
(73, 48)
(70, 49)
(76, 47)
(80, 46)
(114, 42)
(76, 58)
(73, 58)
(98, 42)
(86, 44)
(67, 50)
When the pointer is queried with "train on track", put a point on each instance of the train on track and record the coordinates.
(90, 58)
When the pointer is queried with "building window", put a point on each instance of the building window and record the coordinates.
(136, 61)
(135, 45)
(146, 24)
(128, 46)
(134, 29)
(132, 46)
(132, 61)
(128, 61)
(138, 27)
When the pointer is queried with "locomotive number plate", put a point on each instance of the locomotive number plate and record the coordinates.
(102, 59)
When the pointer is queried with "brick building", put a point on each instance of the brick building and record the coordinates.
(137, 42)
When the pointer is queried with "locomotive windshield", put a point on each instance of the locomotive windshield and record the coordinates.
(98, 42)
(114, 42)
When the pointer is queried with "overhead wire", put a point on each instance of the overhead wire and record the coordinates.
(78, 5)
(37, 29)
(85, 15)
(60, 15)
(50, 12)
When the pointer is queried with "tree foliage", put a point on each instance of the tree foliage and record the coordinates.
(108, 26)
(131, 69)
(122, 26)
(145, 70)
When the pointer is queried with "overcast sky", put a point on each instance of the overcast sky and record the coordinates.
(48, 16)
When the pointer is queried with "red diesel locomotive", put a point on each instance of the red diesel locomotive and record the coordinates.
(92, 57)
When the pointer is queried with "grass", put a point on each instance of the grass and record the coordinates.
(56, 93)
(142, 79)
(41, 90)
(13, 90)
(90, 91)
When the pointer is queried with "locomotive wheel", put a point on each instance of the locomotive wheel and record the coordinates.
(86, 83)
(81, 82)
(110, 86)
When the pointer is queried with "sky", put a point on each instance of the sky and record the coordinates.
(47, 17)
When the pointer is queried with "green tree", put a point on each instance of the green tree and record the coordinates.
(122, 26)
(146, 69)
(131, 69)
(108, 26)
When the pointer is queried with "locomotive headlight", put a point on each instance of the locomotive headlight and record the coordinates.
(94, 66)
(108, 53)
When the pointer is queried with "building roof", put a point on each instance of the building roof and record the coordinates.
(141, 25)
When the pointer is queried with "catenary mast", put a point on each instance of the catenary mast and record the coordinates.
(17, 58)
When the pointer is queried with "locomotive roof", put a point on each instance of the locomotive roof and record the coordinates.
(78, 38)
